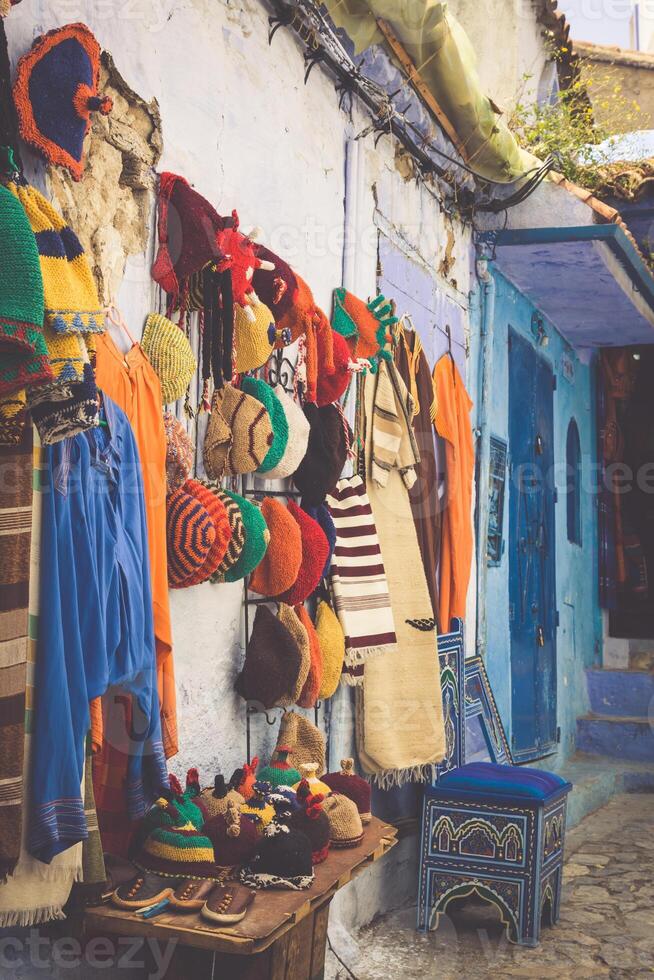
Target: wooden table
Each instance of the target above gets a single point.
(283, 936)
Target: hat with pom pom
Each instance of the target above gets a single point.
(234, 836)
(347, 783)
(279, 772)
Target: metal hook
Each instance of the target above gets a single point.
(311, 60)
(281, 20)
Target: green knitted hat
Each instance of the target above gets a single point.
(264, 393)
(257, 537)
(23, 353)
(280, 772)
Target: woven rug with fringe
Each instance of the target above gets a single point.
(399, 708)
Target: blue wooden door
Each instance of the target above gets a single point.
(532, 591)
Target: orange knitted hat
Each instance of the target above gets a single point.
(301, 313)
(216, 510)
(280, 565)
(311, 688)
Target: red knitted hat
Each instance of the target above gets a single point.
(277, 288)
(330, 386)
(315, 550)
(218, 514)
(190, 535)
(235, 838)
(309, 694)
(279, 568)
(312, 820)
(347, 783)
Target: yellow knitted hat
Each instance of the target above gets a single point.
(170, 354)
(253, 337)
(309, 771)
(332, 646)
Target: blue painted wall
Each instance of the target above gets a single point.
(579, 632)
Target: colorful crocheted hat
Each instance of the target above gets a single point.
(279, 568)
(291, 621)
(365, 326)
(285, 801)
(216, 798)
(169, 352)
(190, 535)
(23, 353)
(55, 92)
(332, 648)
(276, 287)
(298, 437)
(216, 511)
(243, 779)
(237, 537)
(180, 452)
(279, 772)
(331, 384)
(309, 773)
(264, 393)
(13, 416)
(345, 824)
(239, 434)
(256, 541)
(272, 662)
(283, 860)
(306, 741)
(257, 808)
(179, 852)
(309, 694)
(235, 837)
(312, 821)
(347, 783)
(329, 441)
(323, 517)
(315, 549)
(65, 408)
(254, 336)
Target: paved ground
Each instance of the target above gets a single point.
(606, 927)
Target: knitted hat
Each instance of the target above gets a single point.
(254, 336)
(323, 517)
(256, 540)
(309, 773)
(190, 535)
(365, 326)
(345, 826)
(312, 821)
(264, 393)
(13, 417)
(276, 288)
(180, 452)
(309, 693)
(170, 354)
(280, 772)
(283, 860)
(315, 550)
(329, 440)
(272, 662)
(217, 798)
(237, 537)
(330, 385)
(216, 511)
(285, 801)
(243, 779)
(188, 802)
(23, 353)
(306, 741)
(257, 808)
(55, 92)
(298, 437)
(291, 621)
(299, 316)
(234, 837)
(278, 569)
(332, 648)
(347, 783)
(239, 434)
(65, 408)
(180, 852)
(187, 232)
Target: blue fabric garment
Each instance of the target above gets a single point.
(517, 781)
(95, 626)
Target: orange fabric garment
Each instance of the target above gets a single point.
(131, 382)
(452, 423)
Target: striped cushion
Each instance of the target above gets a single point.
(515, 781)
(190, 534)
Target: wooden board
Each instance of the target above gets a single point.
(273, 913)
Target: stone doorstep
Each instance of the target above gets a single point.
(597, 779)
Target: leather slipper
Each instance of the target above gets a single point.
(228, 904)
(191, 894)
(143, 890)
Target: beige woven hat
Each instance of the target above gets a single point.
(238, 436)
(345, 827)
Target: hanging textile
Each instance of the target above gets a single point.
(452, 423)
(393, 442)
(399, 714)
(96, 628)
(425, 505)
(15, 535)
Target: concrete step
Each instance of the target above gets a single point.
(641, 660)
(596, 779)
(616, 737)
(621, 692)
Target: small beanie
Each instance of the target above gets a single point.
(257, 808)
(256, 540)
(306, 741)
(283, 860)
(65, 408)
(279, 568)
(329, 441)
(239, 434)
(298, 318)
(285, 801)
(323, 517)
(244, 779)
(234, 837)
(309, 773)
(298, 437)
(217, 798)
(311, 820)
(291, 621)
(330, 385)
(190, 535)
(347, 783)
(264, 393)
(216, 511)
(179, 852)
(237, 537)
(315, 550)
(332, 648)
(254, 336)
(272, 662)
(180, 453)
(169, 352)
(309, 693)
(345, 825)
(276, 287)
(280, 772)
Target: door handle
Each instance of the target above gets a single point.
(540, 636)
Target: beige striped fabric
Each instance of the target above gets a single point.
(393, 441)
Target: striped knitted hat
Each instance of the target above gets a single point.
(190, 535)
(216, 511)
(257, 808)
(254, 335)
(298, 437)
(237, 528)
(278, 569)
(332, 648)
(180, 852)
(265, 394)
(256, 541)
(238, 436)
(12, 418)
(180, 452)
(290, 619)
(170, 354)
(65, 408)
(309, 694)
(279, 772)
(315, 549)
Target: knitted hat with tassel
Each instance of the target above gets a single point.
(312, 821)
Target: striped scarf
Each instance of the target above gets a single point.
(393, 441)
(358, 580)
